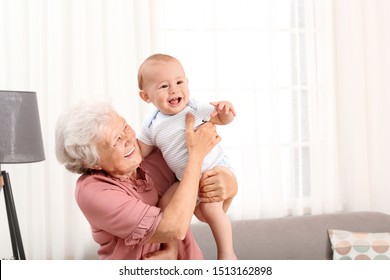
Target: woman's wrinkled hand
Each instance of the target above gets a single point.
(203, 139)
(217, 184)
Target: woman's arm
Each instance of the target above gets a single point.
(177, 215)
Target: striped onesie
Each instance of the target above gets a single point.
(167, 132)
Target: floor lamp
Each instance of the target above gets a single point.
(20, 142)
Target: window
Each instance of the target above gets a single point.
(260, 55)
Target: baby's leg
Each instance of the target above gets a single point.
(221, 227)
(171, 249)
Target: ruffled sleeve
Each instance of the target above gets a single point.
(145, 228)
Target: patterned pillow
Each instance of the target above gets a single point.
(348, 245)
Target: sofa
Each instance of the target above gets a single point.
(294, 238)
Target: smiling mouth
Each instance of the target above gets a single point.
(130, 152)
(175, 101)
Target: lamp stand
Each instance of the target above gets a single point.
(14, 230)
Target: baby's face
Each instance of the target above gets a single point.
(166, 86)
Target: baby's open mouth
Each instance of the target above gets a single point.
(175, 101)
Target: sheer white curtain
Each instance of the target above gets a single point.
(66, 50)
(357, 73)
(353, 121)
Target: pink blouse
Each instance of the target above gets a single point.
(123, 214)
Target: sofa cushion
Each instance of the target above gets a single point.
(349, 245)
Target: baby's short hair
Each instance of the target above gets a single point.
(153, 58)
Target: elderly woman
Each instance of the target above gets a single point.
(119, 192)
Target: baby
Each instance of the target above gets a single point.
(162, 81)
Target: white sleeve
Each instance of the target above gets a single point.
(145, 135)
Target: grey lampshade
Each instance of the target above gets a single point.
(20, 128)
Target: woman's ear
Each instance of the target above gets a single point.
(144, 95)
(97, 167)
(93, 167)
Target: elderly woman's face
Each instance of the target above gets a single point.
(118, 149)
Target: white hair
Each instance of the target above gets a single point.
(77, 133)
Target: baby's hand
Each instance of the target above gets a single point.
(223, 108)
